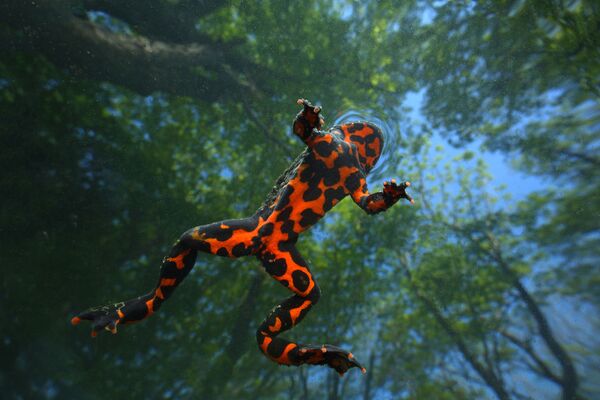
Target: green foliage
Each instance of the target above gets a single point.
(99, 181)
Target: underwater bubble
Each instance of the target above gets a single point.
(392, 139)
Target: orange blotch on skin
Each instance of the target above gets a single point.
(291, 267)
(196, 235)
(150, 306)
(295, 312)
(178, 260)
(265, 344)
(284, 357)
(277, 326)
(239, 236)
(168, 282)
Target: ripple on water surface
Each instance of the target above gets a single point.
(391, 139)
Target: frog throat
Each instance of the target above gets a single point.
(368, 139)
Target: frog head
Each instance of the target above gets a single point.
(368, 139)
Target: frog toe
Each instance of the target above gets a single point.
(102, 318)
(342, 360)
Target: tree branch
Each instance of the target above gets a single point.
(569, 378)
(135, 62)
(159, 20)
(486, 374)
(544, 369)
(237, 344)
(262, 127)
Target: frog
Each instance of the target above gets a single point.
(335, 164)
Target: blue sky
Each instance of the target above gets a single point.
(519, 183)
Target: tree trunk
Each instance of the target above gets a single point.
(569, 374)
(304, 382)
(369, 377)
(223, 366)
(488, 375)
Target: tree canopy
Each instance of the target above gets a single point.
(124, 123)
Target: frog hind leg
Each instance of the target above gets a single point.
(231, 238)
(287, 266)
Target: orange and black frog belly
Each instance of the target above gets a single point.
(316, 187)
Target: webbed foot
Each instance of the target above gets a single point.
(312, 114)
(333, 356)
(395, 190)
(103, 317)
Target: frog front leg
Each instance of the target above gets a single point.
(376, 202)
(308, 122)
